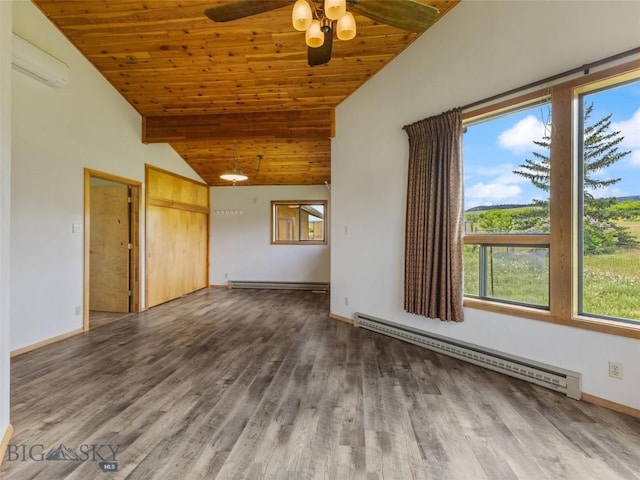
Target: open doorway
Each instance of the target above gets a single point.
(111, 248)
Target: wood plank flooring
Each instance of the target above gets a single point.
(97, 318)
(258, 384)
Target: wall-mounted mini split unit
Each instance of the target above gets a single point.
(36, 63)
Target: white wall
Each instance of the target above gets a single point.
(240, 243)
(5, 210)
(477, 50)
(56, 134)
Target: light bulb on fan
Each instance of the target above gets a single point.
(301, 16)
(315, 36)
(334, 9)
(346, 27)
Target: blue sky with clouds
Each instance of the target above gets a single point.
(493, 149)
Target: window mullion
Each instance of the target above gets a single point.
(562, 205)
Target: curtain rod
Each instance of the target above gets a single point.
(584, 68)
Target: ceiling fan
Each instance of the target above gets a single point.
(320, 21)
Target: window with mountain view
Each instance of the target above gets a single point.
(506, 201)
(609, 202)
(557, 227)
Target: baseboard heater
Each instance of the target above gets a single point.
(548, 376)
(315, 286)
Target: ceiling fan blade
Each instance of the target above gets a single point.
(321, 55)
(243, 8)
(411, 15)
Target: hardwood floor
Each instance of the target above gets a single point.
(97, 318)
(258, 384)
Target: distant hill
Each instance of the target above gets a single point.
(506, 206)
(509, 206)
(628, 198)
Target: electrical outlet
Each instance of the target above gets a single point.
(78, 310)
(226, 275)
(615, 370)
(346, 301)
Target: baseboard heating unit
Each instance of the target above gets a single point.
(548, 376)
(315, 286)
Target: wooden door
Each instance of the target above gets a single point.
(177, 259)
(109, 248)
(177, 236)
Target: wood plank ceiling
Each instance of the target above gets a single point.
(224, 93)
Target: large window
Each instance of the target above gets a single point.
(506, 200)
(609, 202)
(298, 222)
(509, 274)
(552, 204)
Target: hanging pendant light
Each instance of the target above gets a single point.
(301, 16)
(234, 174)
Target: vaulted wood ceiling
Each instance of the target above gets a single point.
(218, 92)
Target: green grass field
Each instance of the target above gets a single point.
(634, 227)
(518, 274)
(611, 282)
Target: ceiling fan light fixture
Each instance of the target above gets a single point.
(234, 175)
(301, 16)
(346, 27)
(314, 36)
(334, 9)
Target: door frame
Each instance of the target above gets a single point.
(134, 232)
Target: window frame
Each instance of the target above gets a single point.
(298, 203)
(563, 208)
(482, 272)
(578, 95)
(484, 240)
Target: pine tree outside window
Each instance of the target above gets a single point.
(609, 216)
(584, 218)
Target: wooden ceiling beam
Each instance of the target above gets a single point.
(309, 124)
(229, 108)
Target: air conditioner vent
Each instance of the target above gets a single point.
(34, 62)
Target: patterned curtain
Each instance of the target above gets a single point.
(433, 245)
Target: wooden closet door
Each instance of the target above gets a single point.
(177, 236)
